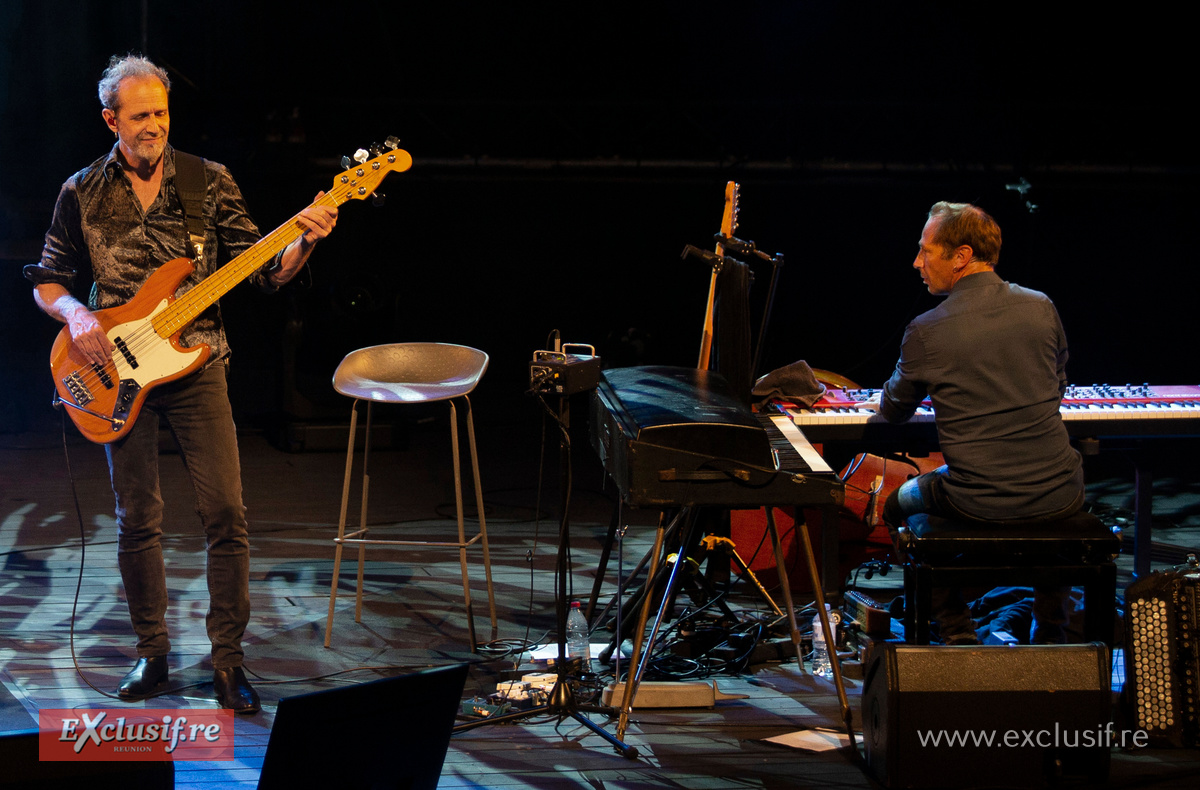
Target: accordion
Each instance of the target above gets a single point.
(1162, 658)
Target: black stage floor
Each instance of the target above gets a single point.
(413, 616)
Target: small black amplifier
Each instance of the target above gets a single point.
(563, 373)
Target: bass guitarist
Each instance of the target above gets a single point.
(115, 222)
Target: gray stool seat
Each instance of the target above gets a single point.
(408, 373)
(1074, 551)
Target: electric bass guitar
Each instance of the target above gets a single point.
(104, 401)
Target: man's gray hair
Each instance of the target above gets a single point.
(122, 67)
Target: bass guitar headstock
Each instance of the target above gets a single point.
(362, 179)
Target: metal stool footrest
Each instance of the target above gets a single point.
(403, 373)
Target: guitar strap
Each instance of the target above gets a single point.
(190, 186)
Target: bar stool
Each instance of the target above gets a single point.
(1077, 551)
(411, 373)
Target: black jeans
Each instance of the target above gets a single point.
(198, 412)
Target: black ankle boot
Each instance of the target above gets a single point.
(233, 691)
(145, 675)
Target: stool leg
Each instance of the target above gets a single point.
(462, 537)
(362, 520)
(923, 601)
(910, 604)
(1099, 604)
(487, 557)
(918, 600)
(337, 554)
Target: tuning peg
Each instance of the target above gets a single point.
(392, 142)
(347, 162)
(361, 156)
(377, 199)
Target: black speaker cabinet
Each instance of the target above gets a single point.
(20, 769)
(938, 716)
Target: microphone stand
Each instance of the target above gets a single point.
(562, 701)
(749, 248)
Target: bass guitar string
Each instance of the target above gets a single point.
(184, 310)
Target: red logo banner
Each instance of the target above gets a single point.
(160, 734)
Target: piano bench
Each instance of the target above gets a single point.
(1075, 551)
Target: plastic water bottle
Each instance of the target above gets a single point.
(821, 665)
(578, 642)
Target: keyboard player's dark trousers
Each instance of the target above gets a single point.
(924, 494)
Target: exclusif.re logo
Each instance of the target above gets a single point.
(165, 734)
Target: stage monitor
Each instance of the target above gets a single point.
(391, 733)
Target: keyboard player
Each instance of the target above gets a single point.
(992, 359)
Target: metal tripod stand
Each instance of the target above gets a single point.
(562, 702)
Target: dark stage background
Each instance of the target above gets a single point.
(565, 154)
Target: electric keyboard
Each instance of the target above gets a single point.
(672, 437)
(1133, 415)
(1095, 411)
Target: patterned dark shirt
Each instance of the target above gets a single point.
(101, 237)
